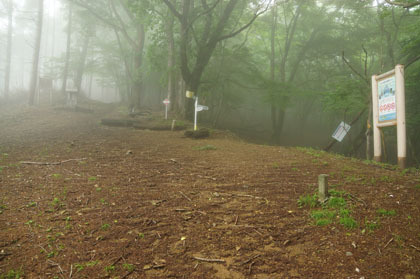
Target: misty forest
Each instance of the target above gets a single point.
(209, 139)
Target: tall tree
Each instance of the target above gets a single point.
(68, 48)
(214, 29)
(9, 7)
(37, 48)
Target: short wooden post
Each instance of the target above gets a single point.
(323, 187)
(173, 125)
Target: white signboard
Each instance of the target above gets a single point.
(341, 131)
(201, 108)
(386, 99)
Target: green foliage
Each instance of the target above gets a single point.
(348, 222)
(109, 268)
(13, 274)
(128, 267)
(372, 225)
(105, 227)
(308, 201)
(323, 214)
(336, 202)
(92, 178)
(384, 212)
(79, 267)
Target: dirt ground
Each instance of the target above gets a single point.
(126, 203)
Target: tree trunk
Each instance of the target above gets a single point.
(137, 96)
(67, 62)
(9, 50)
(369, 133)
(273, 66)
(37, 48)
(82, 62)
(171, 63)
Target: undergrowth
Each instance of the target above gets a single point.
(335, 209)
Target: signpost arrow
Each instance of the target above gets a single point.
(166, 102)
(197, 109)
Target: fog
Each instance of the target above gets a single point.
(274, 72)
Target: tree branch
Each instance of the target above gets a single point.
(353, 69)
(173, 9)
(123, 29)
(404, 5)
(412, 61)
(233, 34)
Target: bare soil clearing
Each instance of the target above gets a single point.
(154, 204)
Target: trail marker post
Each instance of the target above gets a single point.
(388, 101)
(198, 108)
(166, 102)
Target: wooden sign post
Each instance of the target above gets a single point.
(388, 101)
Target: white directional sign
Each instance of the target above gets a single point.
(201, 108)
(341, 131)
(166, 102)
(198, 108)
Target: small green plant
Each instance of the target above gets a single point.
(2, 208)
(79, 267)
(109, 268)
(323, 222)
(417, 186)
(323, 214)
(141, 235)
(98, 189)
(294, 169)
(13, 274)
(128, 267)
(384, 212)
(56, 175)
(323, 217)
(30, 222)
(92, 178)
(105, 227)
(205, 147)
(372, 225)
(31, 204)
(336, 202)
(92, 263)
(275, 165)
(348, 222)
(51, 254)
(308, 200)
(385, 178)
(56, 202)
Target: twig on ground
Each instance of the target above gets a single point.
(128, 273)
(236, 220)
(253, 258)
(415, 248)
(386, 245)
(51, 164)
(250, 268)
(209, 260)
(357, 199)
(57, 265)
(71, 271)
(185, 196)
